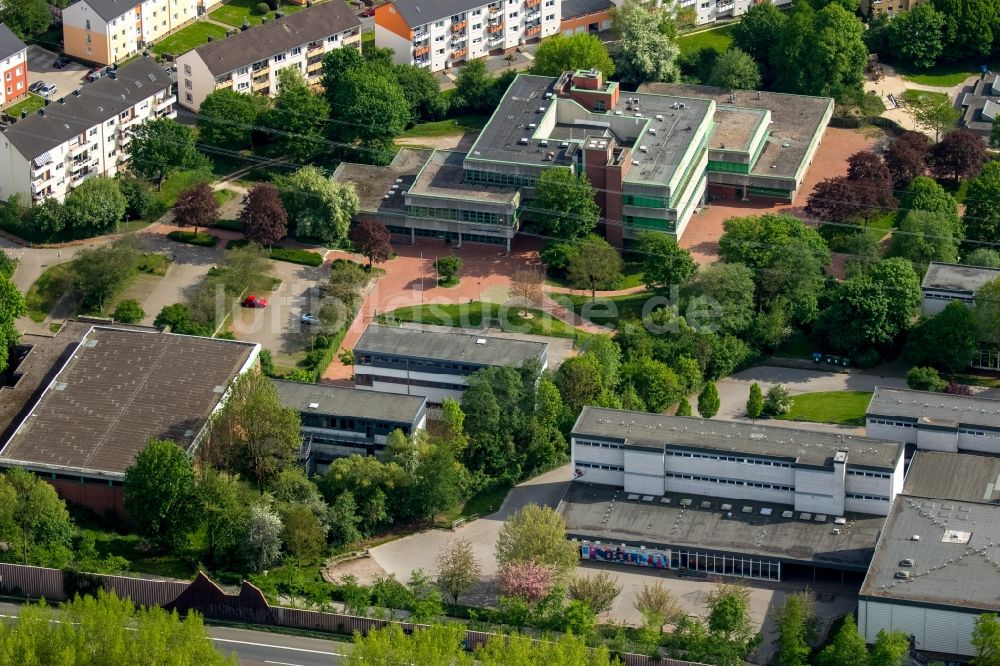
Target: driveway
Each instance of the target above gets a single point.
(40, 68)
(189, 266)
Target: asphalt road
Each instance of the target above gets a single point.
(257, 648)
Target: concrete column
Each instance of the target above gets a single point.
(413, 235)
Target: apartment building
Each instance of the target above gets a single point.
(439, 34)
(249, 61)
(433, 365)
(109, 31)
(13, 67)
(935, 421)
(590, 16)
(815, 472)
(83, 134)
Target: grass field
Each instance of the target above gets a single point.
(720, 39)
(605, 310)
(235, 11)
(911, 95)
(31, 103)
(48, 288)
(839, 407)
(190, 37)
(944, 74)
(631, 276)
(471, 315)
(177, 181)
(458, 125)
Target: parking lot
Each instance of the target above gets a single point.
(40, 68)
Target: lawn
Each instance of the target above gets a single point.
(235, 12)
(31, 103)
(606, 310)
(631, 276)
(911, 95)
(720, 39)
(944, 74)
(48, 288)
(178, 181)
(190, 37)
(458, 125)
(839, 407)
(471, 315)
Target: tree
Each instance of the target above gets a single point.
(656, 384)
(598, 591)
(758, 31)
(735, 70)
(728, 290)
(26, 18)
(564, 205)
(344, 520)
(161, 145)
(536, 534)
(795, 278)
(778, 401)
(657, 605)
(372, 241)
(99, 273)
(138, 196)
(448, 267)
(595, 265)
(38, 523)
(683, 408)
(925, 237)
(986, 640)
(708, 401)
(970, 27)
(988, 312)
(890, 649)
(472, 86)
(558, 54)
(303, 534)
(227, 119)
(755, 403)
(848, 647)
(196, 206)
(458, 570)
(253, 433)
(916, 37)
(525, 580)
(95, 206)
(379, 109)
(934, 113)
(297, 117)
(159, 491)
(422, 91)
(12, 306)
(948, 340)
(925, 379)
(982, 256)
(262, 539)
(793, 622)
(732, 633)
(982, 206)
(907, 157)
(646, 51)
(318, 206)
(665, 263)
(526, 287)
(960, 154)
(759, 240)
(926, 194)
(263, 217)
(995, 134)
(580, 382)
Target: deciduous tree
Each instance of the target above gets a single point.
(960, 154)
(595, 265)
(448, 267)
(934, 113)
(536, 534)
(196, 206)
(525, 580)
(731, 631)
(263, 217)
(379, 111)
(907, 157)
(161, 145)
(793, 622)
(986, 640)
(458, 570)
(564, 205)
(372, 241)
(758, 240)
(916, 37)
(646, 51)
(160, 493)
(227, 119)
(735, 70)
(848, 647)
(26, 18)
(890, 649)
(100, 272)
(657, 605)
(12, 306)
(318, 207)
(948, 340)
(261, 546)
(665, 263)
(598, 591)
(558, 54)
(526, 287)
(982, 205)
(988, 312)
(297, 118)
(95, 206)
(472, 86)
(757, 32)
(728, 291)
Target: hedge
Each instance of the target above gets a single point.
(192, 238)
(289, 254)
(231, 225)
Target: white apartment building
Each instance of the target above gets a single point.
(109, 31)
(82, 134)
(815, 472)
(439, 34)
(249, 61)
(13, 66)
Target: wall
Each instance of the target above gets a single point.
(98, 496)
(75, 34)
(937, 440)
(202, 80)
(933, 629)
(576, 24)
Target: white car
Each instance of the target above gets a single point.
(308, 318)
(46, 89)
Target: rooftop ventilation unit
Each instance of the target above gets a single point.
(541, 109)
(652, 130)
(903, 575)
(313, 405)
(635, 162)
(544, 143)
(659, 116)
(618, 113)
(564, 144)
(480, 341)
(907, 562)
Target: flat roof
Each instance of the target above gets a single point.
(958, 277)
(956, 476)
(735, 127)
(374, 183)
(458, 347)
(96, 102)
(575, 8)
(931, 408)
(603, 513)
(263, 41)
(119, 388)
(350, 402)
(796, 120)
(955, 560)
(443, 176)
(806, 447)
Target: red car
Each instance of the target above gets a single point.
(254, 302)
(368, 12)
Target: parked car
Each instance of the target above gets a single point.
(309, 318)
(46, 89)
(95, 74)
(368, 12)
(35, 86)
(61, 62)
(252, 301)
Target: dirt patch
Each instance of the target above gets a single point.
(365, 569)
(462, 141)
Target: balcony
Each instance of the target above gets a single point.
(532, 30)
(494, 9)
(41, 182)
(314, 65)
(259, 85)
(459, 54)
(165, 103)
(260, 68)
(421, 37)
(459, 39)
(457, 27)
(532, 3)
(314, 49)
(533, 16)
(724, 5)
(421, 51)
(78, 149)
(224, 83)
(494, 29)
(76, 165)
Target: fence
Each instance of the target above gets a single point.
(204, 596)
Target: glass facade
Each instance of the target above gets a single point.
(728, 167)
(476, 216)
(645, 202)
(648, 223)
(497, 178)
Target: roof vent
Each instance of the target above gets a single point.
(541, 109)
(480, 341)
(313, 405)
(642, 149)
(903, 575)
(915, 537)
(532, 126)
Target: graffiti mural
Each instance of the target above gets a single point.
(632, 555)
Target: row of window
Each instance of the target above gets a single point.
(898, 424)
(870, 475)
(694, 167)
(728, 167)
(649, 223)
(603, 445)
(946, 297)
(610, 468)
(369, 380)
(366, 359)
(645, 202)
(738, 459)
(873, 498)
(458, 18)
(730, 482)
(979, 433)
(475, 216)
(498, 178)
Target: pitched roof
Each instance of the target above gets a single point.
(95, 103)
(419, 12)
(111, 9)
(259, 43)
(9, 43)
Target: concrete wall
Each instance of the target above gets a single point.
(933, 630)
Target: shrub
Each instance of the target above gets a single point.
(261, 8)
(778, 402)
(191, 238)
(231, 225)
(954, 388)
(925, 379)
(296, 256)
(128, 312)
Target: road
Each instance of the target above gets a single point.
(256, 648)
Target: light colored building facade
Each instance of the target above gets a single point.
(439, 34)
(586, 16)
(249, 61)
(83, 134)
(13, 67)
(109, 31)
(944, 283)
(653, 454)
(935, 421)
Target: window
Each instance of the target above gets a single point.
(88, 24)
(242, 70)
(93, 131)
(439, 38)
(18, 71)
(187, 96)
(439, 52)
(241, 86)
(612, 468)
(20, 84)
(477, 26)
(477, 12)
(297, 50)
(550, 17)
(278, 58)
(187, 69)
(88, 41)
(512, 15)
(187, 84)
(439, 24)
(550, 3)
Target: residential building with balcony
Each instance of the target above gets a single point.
(13, 67)
(439, 34)
(83, 134)
(110, 31)
(249, 61)
(590, 16)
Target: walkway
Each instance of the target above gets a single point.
(895, 85)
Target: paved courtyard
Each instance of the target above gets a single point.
(40, 68)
